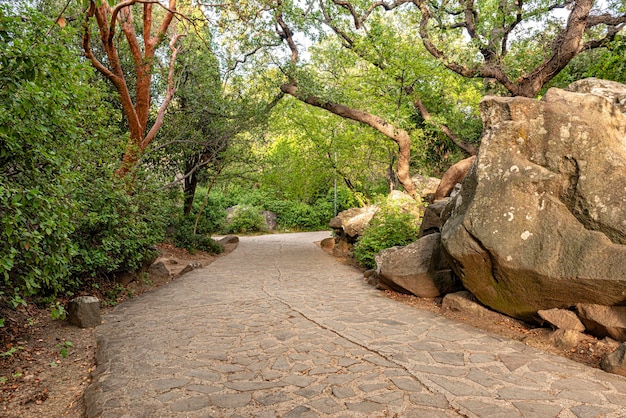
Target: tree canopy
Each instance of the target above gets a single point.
(267, 102)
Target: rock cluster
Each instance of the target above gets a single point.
(536, 230)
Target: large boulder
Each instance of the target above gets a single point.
(417, 268)
(540, 221)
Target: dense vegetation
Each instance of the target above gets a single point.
(98, 164)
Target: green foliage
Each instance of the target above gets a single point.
(57, 311)
(389, 227)
(245, 219)
(63, 347)
(184, 237)
(61, 216)
(117, 231)
(214, 214)
(301, 216)
(43, 110)
(11, 351)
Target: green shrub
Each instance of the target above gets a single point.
(213, 215)
(184, 237)
(245, 219)
(116, 230)
(300, 216)
(390, 227)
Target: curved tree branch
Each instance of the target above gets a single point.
(398, 135)
(468, 147)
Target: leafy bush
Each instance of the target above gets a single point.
(213, 215)
(390, 227)
(245, 219)
(299, 215)
(185, 238)
(116, 230)
(47, 110)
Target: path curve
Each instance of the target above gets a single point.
(279, 328)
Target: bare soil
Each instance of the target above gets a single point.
(46, 364)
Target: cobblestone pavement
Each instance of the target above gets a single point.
(279, 328)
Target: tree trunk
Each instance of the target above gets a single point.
(191, 183)
(398, 135)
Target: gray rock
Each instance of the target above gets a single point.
(464, 301)
(190, 267)
(84, 312)
(159, 268)
(612, 91)
(562, 319)
(371, 277)
(229, 239)
(603, 321)
(328, 245)
(353, 221)
(432, 222)
(539, 223)
(426, 186)
(566, 338)
(615, 362)
(271, 220)
(417, 268)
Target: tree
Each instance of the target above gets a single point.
(482, 39)
(303, 79)
(143, 48)
(207, 115)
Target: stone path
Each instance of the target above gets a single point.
(279, 329)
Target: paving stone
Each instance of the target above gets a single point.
(482, 378)
(299, 380)
(589, 411)
(514, 361)
(168, 384)
(361, 367)
(233, 377)
(251, 386)
(409, 385)
(301, 412)
(327, 406)
(281, 363)
(372, 387)
(435, 400)
(538, 410)
(204, 388)
(323, 370)
(342, 392)
(387, 398)
(339, 378)
(311, 391)
(520, 393)
(490, 410)
(279, 328)
(582, 396)
(189, 404)
(454, 359)
(273, 398)
(416, 412)
(230, 400)
(365, 407)
(459, 387)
